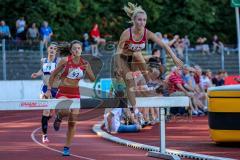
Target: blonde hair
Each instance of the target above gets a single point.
(132, 10)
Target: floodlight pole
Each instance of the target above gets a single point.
(238, 36)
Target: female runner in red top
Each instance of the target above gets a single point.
(132, 42)
(73, 68)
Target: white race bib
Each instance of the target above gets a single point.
(75, 73)
(136, 47)
(48, 67)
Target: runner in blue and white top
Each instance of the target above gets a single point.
(47, 66)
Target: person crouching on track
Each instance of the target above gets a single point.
(48, 65)
(73, 67)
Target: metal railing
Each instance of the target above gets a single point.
(12, 52)
(21, 58)
(224, 56)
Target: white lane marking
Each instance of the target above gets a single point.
(52, 149)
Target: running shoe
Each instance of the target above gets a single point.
(57, 123)
(66, 151)
(200, 113)
(45, 139)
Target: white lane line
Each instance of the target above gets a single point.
(52, 149)
(97, 128)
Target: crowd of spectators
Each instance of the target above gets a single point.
(180, 44)
(26, 32)
(32, 33)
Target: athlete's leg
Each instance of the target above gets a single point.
(45, 118)
(60, 114)
(44, 121)
(129, 81)
(141, 63)
(72, 121)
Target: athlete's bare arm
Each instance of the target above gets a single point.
(155, 39)
(89, 72)
(37, 74)
(175, 38)
(124, 37)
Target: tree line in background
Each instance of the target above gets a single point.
(70, 19)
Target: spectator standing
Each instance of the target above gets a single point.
(4, 31)
(186, 41)
(179, 45)
(86, 44)
(165, 38)
(217, 45)
(46, 33)
(20, 26)
(96, 39)
(32, 34)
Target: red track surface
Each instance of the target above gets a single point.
(16, 142)
(187, 135)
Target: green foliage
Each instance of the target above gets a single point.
(70, 19)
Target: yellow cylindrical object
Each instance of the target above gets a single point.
(224, 113)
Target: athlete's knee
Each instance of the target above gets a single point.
(71, 124)
(138, 57)
(129, 76)
(137, 54)
(46, 112)
(73, 117)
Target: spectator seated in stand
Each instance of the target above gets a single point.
(218, 79)
(177, 87)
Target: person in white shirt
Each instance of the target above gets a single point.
(114, 124)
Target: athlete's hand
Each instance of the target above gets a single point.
(118, 71)
(176, 37)
(34, 75)
(48, 94)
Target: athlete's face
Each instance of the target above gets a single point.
(140, 20)
(76, 49)
(52, 50)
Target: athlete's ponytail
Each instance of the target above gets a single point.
(64, 49)
(132, 10)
